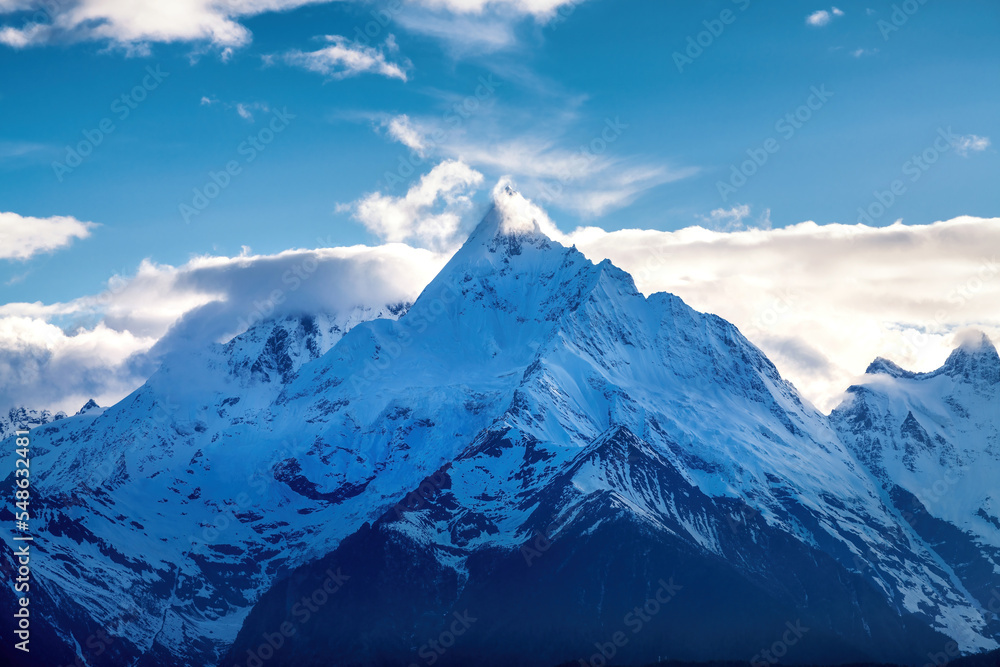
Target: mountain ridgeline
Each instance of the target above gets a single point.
(532, 464)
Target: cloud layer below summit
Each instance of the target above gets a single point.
(821, 300)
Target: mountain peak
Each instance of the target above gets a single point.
(512, 216)
(90, 405)
(974, 359)
(883, 366)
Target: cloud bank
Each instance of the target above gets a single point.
(821, 300)
(824, 300)
(103, 346)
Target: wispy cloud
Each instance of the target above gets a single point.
(971, 143)
(540, 9)
(591, 180)
(244, 110)
(14, 150)
(343, 58)
(22, 237)
(403, 130)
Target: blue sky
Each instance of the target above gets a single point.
(606, 113)
(560, 79)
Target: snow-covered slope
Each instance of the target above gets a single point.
(592, 359)
(151, 508)
(932, 440)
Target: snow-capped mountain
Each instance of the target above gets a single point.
(25, 418)
(532, 444)
(145, 504)
(932, 440)
(642, 439)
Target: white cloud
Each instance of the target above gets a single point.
(23, 236)
(246, 109)
(342, 59)
(824, 301)
(103, 346)
(463, 34)
(591, 180)
(430, 212)
(819, 18)
(540, 9)
(857, 53)
(588, 182)
(478, 27)
(134, 25)
(822, 17)
(402, 130)
(971, 143)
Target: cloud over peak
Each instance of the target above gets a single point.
(430, 213)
